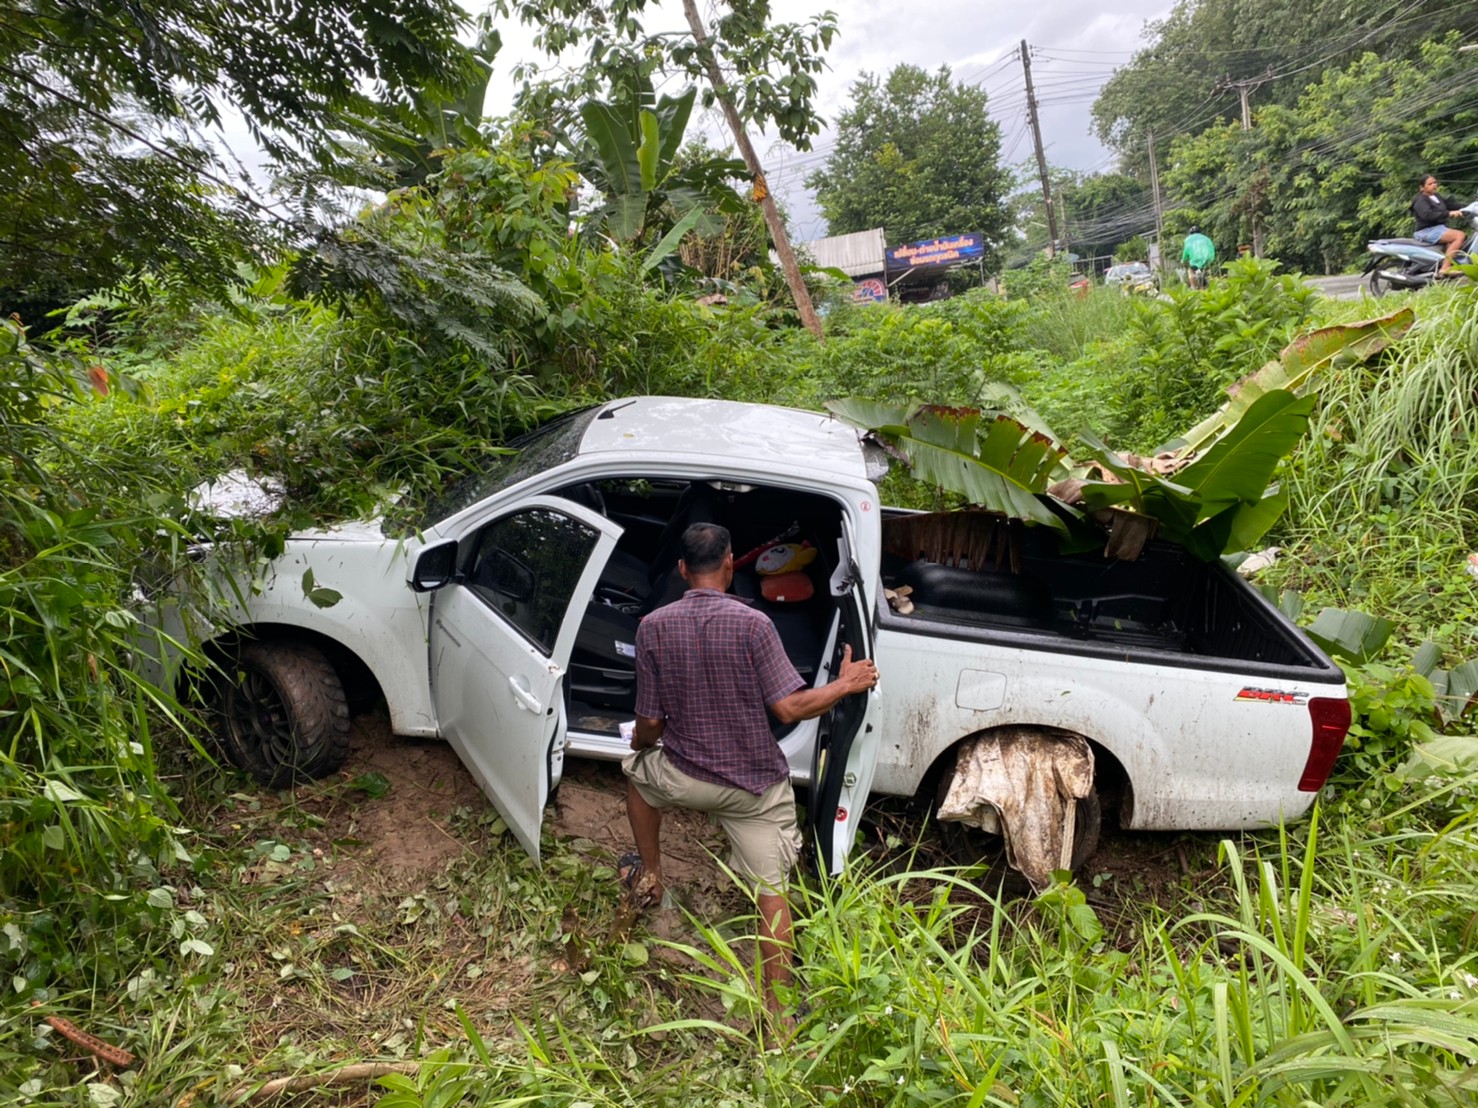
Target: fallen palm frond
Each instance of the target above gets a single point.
(1211, 491)
(995, 462)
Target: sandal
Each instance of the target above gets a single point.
(640, 891)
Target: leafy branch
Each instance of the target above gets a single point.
(1212, 493)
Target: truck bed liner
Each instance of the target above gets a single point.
(1165, 606)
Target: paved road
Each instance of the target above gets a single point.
(1338, 288)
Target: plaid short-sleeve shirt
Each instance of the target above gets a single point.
(709, 665)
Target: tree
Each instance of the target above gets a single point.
(772, 66)
(103, 164)
(1216, 182)
(1105, 209)
(756, 71)
(1172, 86)
(917, 155)
(1337, 167)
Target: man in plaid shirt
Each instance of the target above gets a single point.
(708, 667)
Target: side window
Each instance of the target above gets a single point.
(526, 566)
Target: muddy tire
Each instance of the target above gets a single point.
(1087, 828)
(281, 713)
(968, 845)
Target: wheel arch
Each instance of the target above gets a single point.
(361, 685)
(1110, 777)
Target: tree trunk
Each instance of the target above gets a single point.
(798, 290)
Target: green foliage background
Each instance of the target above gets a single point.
(369, 366)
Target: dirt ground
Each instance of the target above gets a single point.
(405, 834)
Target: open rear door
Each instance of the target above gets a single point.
(509, 598)
(845, 754)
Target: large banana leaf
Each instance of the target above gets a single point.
(672, 115)
(998, 463)
(626, 196)
(1222, 500)
(629, 152)
(649, 153)
(1350, 634)
(1303, 359)
(1238, 468)
(670, 241)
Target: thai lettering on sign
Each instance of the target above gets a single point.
(946, 251)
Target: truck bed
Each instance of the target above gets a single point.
(1165, 605)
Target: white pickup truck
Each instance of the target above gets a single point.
(506, 625)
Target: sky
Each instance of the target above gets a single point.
(1075, 46)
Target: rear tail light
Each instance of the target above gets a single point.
(1331, 719)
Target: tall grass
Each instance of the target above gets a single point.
(1384, 493)
(1341, 971)
(1404, 431)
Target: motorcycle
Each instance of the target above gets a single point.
(1408, 264)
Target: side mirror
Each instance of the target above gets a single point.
(435, 566)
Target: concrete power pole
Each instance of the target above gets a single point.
(1159, 209)
(1244, 90)
(776, 225)
(1036, 126)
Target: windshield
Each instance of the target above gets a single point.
(543, 448)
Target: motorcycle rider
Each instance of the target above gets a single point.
(1432, 211)
(1198, 254)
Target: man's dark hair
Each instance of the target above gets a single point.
(704, 547)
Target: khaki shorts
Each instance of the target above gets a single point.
(762, 829)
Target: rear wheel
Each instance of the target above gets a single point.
(966, 845)
(1087, 828)
(283, 715)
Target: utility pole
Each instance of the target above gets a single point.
(1244, 90)
(778, 235)
(1066, 244)
(1159, 209)
(1036, 126)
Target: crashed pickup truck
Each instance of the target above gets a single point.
(1164, 687)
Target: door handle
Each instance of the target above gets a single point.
(524, 695)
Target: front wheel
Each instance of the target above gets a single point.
(1378, 284)
(283, 716)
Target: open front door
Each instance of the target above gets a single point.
(845, 754)
(503, 625)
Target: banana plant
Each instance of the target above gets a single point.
(992, 460)
(1212, 492)
(630, 153)
(1211, 489)
(1304, 360)
(1221, 501)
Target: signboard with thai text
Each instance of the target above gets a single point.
(936, 253)
(870, 291)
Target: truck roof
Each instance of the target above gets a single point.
(726, 431)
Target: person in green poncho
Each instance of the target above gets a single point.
(1198, 254)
